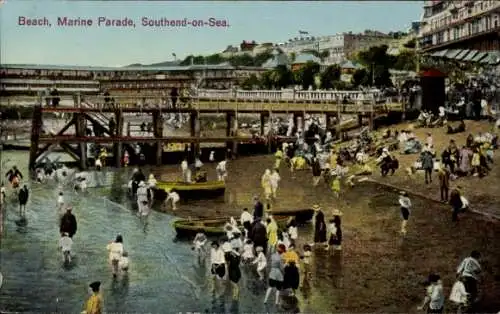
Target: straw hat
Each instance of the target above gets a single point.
(316, 207)
(337, 212)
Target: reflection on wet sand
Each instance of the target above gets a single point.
(367, 275)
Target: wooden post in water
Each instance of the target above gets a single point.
(158, 133)
(263, 116)
(232, 130)
(36, 127)
(80, 127)
(118, 146)
(194, 123)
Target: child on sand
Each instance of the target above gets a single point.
(261, 262)
(65, 244)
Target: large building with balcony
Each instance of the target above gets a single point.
(473, 25)
(340, 47)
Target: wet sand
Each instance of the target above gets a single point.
(377, 271)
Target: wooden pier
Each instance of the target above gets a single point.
(94, 110)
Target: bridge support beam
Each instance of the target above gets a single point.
(263, 117)
(36, 127)
(195, 131)
(298, 120)
(158, 133)
(118, 147)
(80, 127)
(232, 130)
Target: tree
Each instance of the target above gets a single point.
(406, 61)
(379, 62)
(250, 82)
(360, 77)
(306, 74)
(330, 75)
(283, 76)
(293, 56)
(266, 80)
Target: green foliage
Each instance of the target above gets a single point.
(378, 62)
(360, 77)
(250, 82)
(329, 76)
(406, 61)
(305, 75)
(236, 60)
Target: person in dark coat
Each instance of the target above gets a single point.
(319, 226)
(259, 235)
(137, 177)
(23, 199)
(427, 165)
(336, 231)
(13, 173)
(68, 223)
(316, 170)
(234, 273)
(456, 204)
(258, 208)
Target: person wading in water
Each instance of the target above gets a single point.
(94, 303)
(23, 199)
(68, 223)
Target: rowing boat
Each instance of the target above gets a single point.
(195, 190)
(301, 215)
(188, 228)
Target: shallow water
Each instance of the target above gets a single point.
(164, 277)
(377, 271)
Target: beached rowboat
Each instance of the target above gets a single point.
(301, 215)
(201, 190)
(188, 228)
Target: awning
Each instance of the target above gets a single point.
(452, 53)
(480, 56)
(492, 58)
(440, 53)
(470, 56)
(462, 54)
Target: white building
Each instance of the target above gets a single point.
(460, 25)
(340, 46)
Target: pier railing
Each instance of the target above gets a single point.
(242, 100)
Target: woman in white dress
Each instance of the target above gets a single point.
(115, 250)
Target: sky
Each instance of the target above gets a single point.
(101, 45)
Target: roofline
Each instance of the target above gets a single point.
(125, 69)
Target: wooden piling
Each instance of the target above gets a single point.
(36, 127)
(194, 123)
(118, 146)
(232, 130)
(80, 126)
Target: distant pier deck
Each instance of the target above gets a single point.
(97, 112)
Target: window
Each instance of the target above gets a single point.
(440, 38)
(495, 21)
(488, 22)
(456, 33)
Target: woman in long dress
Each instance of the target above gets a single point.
(291, 271)
(272, 233)
(276, 274)
(115, 250)
(266, 184)
(319, 226)
(335, 231)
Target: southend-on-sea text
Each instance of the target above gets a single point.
(125, 22)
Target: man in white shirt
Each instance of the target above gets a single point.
(434, 298)
(405, 206)
(275, 179)
(65, 244)
(174, 198)
(184, 169)
(221, 170)
(142, 198)
(470, 270)
(246, 220)
(429, 141)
